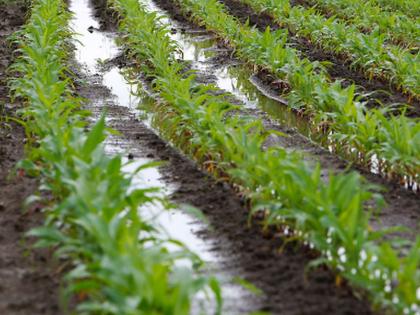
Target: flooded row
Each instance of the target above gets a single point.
(181, 222)
(200, 47)
(125, 103)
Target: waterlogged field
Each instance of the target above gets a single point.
(210, 157)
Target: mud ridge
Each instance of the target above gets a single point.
(251, 254)
(339, 70)
(29, 283)
(402, 205)
(255, 254)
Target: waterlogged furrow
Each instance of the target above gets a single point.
(372, 18)
(328, 216)
(369, 52)
(358, 132)
(121, 263)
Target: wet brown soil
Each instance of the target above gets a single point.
(340, 68)
(28, 285)
(403, 206)
(108, 20)
(251, 254)
(254, 254)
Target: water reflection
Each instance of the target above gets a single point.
(91, 46)
(125, 93)
(240, 81)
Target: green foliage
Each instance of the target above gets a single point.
(328, 214)
(337, 109)
(408, 7)
(403, 27)
(121, 262)
(370, 52)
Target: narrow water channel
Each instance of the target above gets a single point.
(88, 54)
(198, 47)
(93, 47)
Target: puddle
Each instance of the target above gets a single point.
(124, 92)
(235, 79)
(243, 88)
(186, 226)
(92, 48)
(91, 45)
(241, 82)
(88, 54)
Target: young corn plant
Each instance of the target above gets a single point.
(368, 52)
(310, 85)
(409, 7)
(328, 214)
(121, 262)
(369, 17)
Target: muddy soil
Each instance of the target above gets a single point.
(252, 255)
(339, 70)
(28, 283)
(402, 205)
(106, 16)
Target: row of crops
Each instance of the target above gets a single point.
(360, 132)
(92, 215)
(372, 53)
(330, 217)
(121, 263)
(397, 20)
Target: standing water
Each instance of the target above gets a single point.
(197, 46)
(94, 47)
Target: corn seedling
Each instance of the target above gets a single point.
(311, 88)
(121, 263)
(329, 216)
